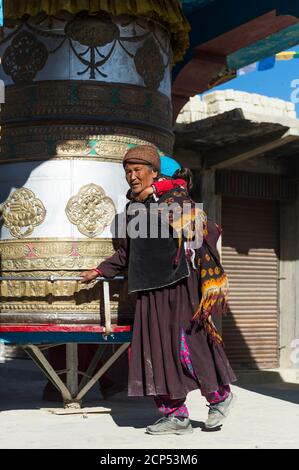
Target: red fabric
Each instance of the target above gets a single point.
(61, 328)
(98, 271)
(165, 185)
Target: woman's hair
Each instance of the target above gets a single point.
(185, 174)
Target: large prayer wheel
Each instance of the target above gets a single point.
(82, 86)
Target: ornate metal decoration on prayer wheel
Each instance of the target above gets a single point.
(81, 88)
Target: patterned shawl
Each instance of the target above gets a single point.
(213, 281)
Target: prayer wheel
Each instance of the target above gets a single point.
(82, 86)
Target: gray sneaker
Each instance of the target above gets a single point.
(219, 411)
(170, 425)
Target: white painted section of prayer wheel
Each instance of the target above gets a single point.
(65, 59)
(54, 183)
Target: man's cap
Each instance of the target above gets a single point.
(145, 154)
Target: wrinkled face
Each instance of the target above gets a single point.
(139, 176)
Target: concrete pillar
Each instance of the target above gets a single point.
(289, 283)
(211, 201)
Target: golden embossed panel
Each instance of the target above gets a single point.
(99, 143)
(91, 210)
(50, 254)
(60, 301)
(21, 212)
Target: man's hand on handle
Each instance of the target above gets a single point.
(88, 276)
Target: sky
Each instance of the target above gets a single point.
(275, 82)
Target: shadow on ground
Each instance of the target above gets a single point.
(268, 383)
(284, 391)
(22, 385)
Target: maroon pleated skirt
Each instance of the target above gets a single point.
(155, 365)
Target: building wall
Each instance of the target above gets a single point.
(220, 101)
(204, 191)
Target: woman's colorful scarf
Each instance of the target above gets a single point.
(213, 281)
(214, 291)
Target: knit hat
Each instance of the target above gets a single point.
(169, 166)
(145, 154)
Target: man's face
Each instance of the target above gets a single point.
(139, 176)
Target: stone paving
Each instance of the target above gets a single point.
(265, 416)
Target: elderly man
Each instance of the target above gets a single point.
(175, 345)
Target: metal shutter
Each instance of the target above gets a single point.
(250, 247)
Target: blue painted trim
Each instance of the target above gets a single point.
(270, 46)
(53, 338)
(220, 16)
(1, 12)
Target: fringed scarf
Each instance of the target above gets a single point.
(213, 281)
(214, 291)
